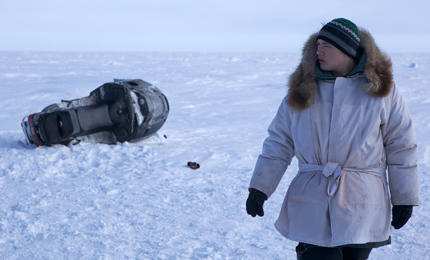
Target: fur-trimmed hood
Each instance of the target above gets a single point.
(302, 83)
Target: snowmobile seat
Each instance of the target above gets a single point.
(93, 118)
(61, 125)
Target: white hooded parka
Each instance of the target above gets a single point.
(346, 133)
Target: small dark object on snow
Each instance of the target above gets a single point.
(193, 165)
(119, 111)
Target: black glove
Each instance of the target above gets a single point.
(401, 215)
(254, 203)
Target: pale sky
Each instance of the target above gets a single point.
(203, 25)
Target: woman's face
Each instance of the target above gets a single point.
(332, 59)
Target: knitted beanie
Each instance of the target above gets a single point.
(343, 34)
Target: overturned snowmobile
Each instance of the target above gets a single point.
(119, 111)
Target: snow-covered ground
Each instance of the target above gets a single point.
(140, 200)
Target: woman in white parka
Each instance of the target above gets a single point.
(347, 124)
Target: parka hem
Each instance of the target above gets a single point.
(372, 243)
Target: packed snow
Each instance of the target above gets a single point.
(140, 200)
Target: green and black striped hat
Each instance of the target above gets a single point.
(343, 34)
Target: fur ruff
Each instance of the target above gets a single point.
(302, 84)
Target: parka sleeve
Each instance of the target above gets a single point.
(278, 151)
(401, 152)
